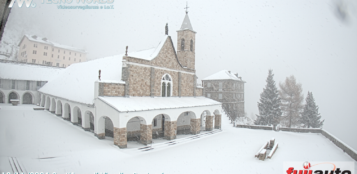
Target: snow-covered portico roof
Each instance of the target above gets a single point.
(133, 104)
(24, 71)
(76, 83)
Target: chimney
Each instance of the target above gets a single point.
(229, 72)
(236, 74)
(44, 39)
(34, 36)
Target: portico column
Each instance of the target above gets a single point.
(170, 130)
(217, 122)
(209, 123)
(86, 121)
(120, 138)
(195, 126)
(145, 134)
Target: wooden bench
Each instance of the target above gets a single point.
(273, 151)
(14, 102)
(263, 147)
(262, 154)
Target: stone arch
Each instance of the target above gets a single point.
(53, 105)
(159, 126)
(105, 127)
(188, 123)
(2, 97)
(217, 119)
(13, 95)
(133, 127)
(48, 102)
(67, 112)
(27, 98)
(59, 109)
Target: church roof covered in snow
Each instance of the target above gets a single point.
(24, 71)
(132, 104)
(149, 54)
(186, 24)
(76, 83)
(223, 75)
(46, 41)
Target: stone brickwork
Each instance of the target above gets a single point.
(139, 80)
(199, 91)
(186, 84)
(186, 56)
(100, 136)
(120, 137)
(145, 134)
(209, 123)
(232, 92)
(217, 121)
(195, 126)
(170, 130)
(166, 58)
(111, 89)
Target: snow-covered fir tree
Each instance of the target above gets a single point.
(310, 116)
(269, 105)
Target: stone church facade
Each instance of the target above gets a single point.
(156, 95)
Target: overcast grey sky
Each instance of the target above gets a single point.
(305, 38)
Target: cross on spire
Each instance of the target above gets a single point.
(186, 7)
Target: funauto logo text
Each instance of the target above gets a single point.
(319, 167)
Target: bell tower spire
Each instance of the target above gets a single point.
(186, 42)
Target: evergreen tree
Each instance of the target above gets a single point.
(310, 116)
(269, 105)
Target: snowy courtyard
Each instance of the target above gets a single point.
(39, 141)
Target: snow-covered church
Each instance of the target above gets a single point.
(137, 96)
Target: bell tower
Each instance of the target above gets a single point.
(186, 43)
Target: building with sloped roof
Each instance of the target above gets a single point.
(22, 81)
(40, 50)
(227, 88)
(138, 95)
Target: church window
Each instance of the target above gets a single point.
(166, 87)
(191, 45)
(182, 44)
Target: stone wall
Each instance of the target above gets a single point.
(195, 126)
(111, 89)
(186, 84)
(120, 137)
(170, 130)
(199, 91)
(209, 123)
(145, 134)
(352, 153)
(186, 56)
(166, 58)
(255, 127)
(139, 80)
(217, 122)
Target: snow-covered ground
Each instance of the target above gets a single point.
(42, 142)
